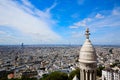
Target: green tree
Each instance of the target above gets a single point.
(24, 78)
(56, 76)
(99, 71)
(44, 76)
(27, 78)
(73, 73)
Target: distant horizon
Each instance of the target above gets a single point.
(58, 44)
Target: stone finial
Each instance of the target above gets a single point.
(87, 33)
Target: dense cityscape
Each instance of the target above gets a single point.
(35, 61)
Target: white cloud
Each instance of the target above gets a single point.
(6, 38)
(77, 34)
(108, 21)
(35, 24)
(82, 23)
(116, 11)
(27, 4)
(99, 15)
(50, 8)
(2, 32)
(108, 38)
(98, 20)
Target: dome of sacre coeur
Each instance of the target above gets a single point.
(87, 52)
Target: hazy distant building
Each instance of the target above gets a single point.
(109, 74)
(87, 60)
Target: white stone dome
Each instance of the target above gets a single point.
(87, 52)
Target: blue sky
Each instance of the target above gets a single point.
(59, 21)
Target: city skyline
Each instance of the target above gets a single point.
(59, 21)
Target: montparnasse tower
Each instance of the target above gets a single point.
(87, 60)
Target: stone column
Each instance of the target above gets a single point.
(86, 75)
(91, 75)
(83, 74)
(94, 75)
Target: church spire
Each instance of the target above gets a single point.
(87, 33)
(87, 59)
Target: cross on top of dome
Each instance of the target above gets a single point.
(87, 33)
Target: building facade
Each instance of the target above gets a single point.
(109, 74)
(87, 60)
